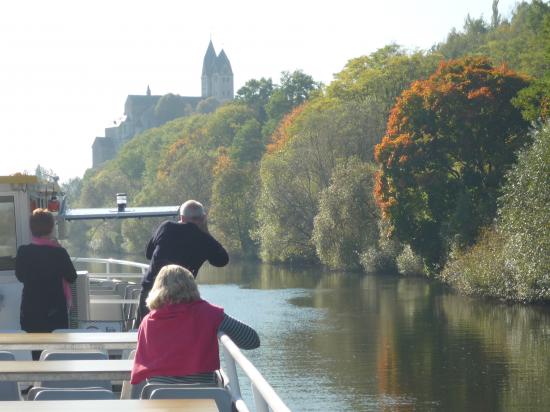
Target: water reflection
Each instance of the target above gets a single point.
(385, 343)
(346, 342)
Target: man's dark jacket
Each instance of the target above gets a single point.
(182, 244)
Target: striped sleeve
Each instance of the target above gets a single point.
(243, 335)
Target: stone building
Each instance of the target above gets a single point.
(142, 112)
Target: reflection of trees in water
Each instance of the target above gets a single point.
(385, 344)
(521, 334)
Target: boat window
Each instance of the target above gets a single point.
(8, 235)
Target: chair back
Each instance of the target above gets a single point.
(221, 396)
(73, 355)
(51, 394)
(150, 387)
(9, 391)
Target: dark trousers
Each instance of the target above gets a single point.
(142, 308)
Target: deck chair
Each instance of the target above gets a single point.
(221, 396)
(68, 355)
(9, 391)
(58, 394)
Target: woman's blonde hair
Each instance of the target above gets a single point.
(174, 284)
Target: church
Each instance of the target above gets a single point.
(143, 112)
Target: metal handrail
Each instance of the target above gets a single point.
(264, 395)
(109, 261)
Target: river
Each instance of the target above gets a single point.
(349, 342)
(333, 341)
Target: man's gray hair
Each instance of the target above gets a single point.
(192, 208)
(173, 284)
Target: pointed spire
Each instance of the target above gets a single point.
(148, 91)
(223, 66)
(209, 59)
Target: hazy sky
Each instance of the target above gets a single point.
(67, 66)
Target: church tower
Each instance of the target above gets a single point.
(217, 75)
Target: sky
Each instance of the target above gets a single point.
(67, 66)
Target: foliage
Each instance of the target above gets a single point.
(511, 261)
(381, 258)
(170, 107)
(409, 263)
(294, 89)
(255, 94)
(224, 123)
(234, 194)
(381, 76)
(525, 218)
(449, 141)
(208, 105)
(535, 99)
(248, 144)
(347, 220)
(481, 269)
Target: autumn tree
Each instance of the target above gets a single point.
(449, 141)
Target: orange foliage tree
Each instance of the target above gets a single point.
(448, 143)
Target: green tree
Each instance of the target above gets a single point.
(255, 94)
(169, 107)
(224, 124)
(450, 139)
(347, 222)
(248, 144)
(234, 194)
(294, 89)
(525, 219)
(381, 76)
(208, 105)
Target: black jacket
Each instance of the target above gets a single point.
(41, 270)
(182, 244)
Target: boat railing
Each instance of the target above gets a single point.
(265, 397)
(109, 263)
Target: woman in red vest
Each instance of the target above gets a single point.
(177, 340)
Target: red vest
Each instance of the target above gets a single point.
(178, 340)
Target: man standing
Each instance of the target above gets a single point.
(186, 243)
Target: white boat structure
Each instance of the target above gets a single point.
(103, 299)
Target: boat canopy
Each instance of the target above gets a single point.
(113, 213)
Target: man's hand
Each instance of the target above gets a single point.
(203, 224)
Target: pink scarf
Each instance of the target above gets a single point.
(42, 241)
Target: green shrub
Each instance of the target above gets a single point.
(409, 263)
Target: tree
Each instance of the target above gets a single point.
(347, 222)
(449, 141)
(224, 124)
(255, 94)
(380, 77)
(525, 219)
(169, 107)
(234, 194)
(248, 144)
(208, 105)
(295, 89)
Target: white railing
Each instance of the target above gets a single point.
(265, 398)
(110, 261)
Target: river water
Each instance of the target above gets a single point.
(349, 342)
